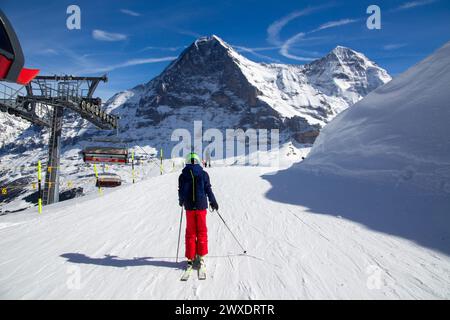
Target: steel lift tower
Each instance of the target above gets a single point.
(43, 102)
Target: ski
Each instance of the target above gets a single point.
(202, 273)
(186, 273)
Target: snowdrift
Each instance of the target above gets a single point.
(400, 132)
(384, 162)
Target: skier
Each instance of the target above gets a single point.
(194, 188)
(208, 158)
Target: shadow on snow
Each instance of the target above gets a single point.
(399, 211)
(114, 261)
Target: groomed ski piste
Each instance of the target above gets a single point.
(122, 244)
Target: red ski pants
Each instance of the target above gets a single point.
(196, 233)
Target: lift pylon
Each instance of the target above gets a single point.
(42, 102)
(43, 99)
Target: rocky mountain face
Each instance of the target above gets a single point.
(353, 75)
(211, 82)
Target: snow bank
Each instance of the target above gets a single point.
(399, 132)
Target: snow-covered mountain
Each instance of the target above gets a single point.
(400, 131)
(210, 82)
(10, 127)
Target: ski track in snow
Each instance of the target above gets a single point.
(123, 245)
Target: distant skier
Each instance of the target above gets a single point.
(208, 158)
(194, 188)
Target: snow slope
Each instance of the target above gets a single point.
(400, 132)
(123, 245)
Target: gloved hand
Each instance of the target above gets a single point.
(214, 206)
(180, 202)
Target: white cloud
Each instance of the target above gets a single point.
(255, 52)
(130, 12)
(333, 24)
(273, 31)
(108, 36)
(394, 46)
(192, 34)
(160, 48)
(286, 46)
(259, 48)
(48, 52)
(129, 63)
(284, 51)
(413, 4)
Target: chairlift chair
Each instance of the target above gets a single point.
(105, 155)
(108, 180)
(11, 56)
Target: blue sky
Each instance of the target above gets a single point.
(133, 41)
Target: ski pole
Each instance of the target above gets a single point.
(179, 233)
(245, 251)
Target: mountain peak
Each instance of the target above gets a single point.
(210, 38)
(347, 65)
(342, 48)
(344, 52)
(205, 55)
(211, 42)
(345, 56)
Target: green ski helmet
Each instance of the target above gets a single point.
(193, 158)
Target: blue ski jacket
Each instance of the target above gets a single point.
(193, 188)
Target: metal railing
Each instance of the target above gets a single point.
(8, 94)
(9, 102)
